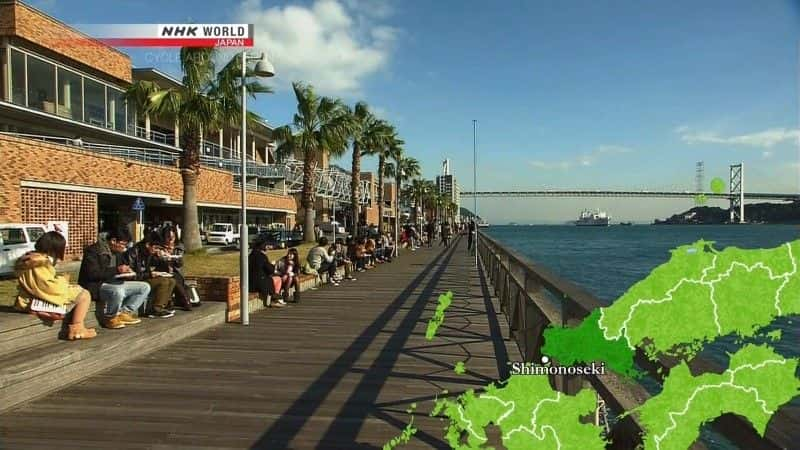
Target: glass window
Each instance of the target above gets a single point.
(18, 77)
(69, 95)
(41, 85)
(12, 236)
(34, 233)
(116, 110)
(94, 102)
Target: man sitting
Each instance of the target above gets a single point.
(142, 258)
(321, 261)
(103, 274)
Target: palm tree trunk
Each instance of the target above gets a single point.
(354, 185)
(381, 163)
(190, 171)
(307, 198)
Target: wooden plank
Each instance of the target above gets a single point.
(337, 370)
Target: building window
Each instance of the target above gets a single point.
(41, 85)
(116, 110)
(94, 102)
(17, 77)
(70, 104)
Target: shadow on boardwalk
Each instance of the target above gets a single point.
(337, 371)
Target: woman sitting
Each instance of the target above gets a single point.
(170, 260)
(262, 275)
(288, 269)
(37, 280)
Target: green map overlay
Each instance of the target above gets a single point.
(585, 343)
(757, 382)
(438, 317)
(529, 414)
(697, 296)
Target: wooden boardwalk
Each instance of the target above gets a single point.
(337, 371)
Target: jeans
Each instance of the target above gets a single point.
(128, 296)
(329, 267)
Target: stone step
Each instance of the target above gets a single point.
(20, 331)
(30, 371)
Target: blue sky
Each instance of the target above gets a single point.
(574, 94)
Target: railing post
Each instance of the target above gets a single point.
(570, 317)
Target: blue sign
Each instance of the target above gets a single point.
(138, 204)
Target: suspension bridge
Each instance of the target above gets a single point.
(736, 194)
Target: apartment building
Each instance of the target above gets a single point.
(73, 150)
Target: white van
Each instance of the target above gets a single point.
(16, 239)
(222, 233)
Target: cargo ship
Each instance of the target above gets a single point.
(593, 219)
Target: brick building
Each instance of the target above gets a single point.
(73, 150)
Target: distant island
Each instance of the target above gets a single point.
(772, 213)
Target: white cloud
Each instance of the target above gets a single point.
(551, 165)
(334, 45)
(582, 160)
(762, 139)
(766, 154)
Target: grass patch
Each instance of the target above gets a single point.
(227, 263)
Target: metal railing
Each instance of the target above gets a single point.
(140, 154)
(256, 188)
(155, 136)
(332, 182)
(532, 297)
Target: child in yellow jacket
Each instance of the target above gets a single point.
(37, 279)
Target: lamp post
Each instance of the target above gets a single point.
(263, 68)
(475, 183)
(398, 182)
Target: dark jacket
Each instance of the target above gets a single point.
(99, 265)
(140, 261)
(260, 273)
(171, 265)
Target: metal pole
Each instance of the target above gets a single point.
(243, 238)
(334, 219)
(475, 183)
(397, 212)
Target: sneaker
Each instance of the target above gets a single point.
(335, 283)
(113, 323)
(277, 305)
(128, 319)
(160, 314)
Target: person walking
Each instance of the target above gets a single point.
(471, 235)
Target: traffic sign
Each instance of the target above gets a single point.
(138, 204)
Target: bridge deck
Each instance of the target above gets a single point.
(337, 371)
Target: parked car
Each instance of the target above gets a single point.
(16, 239)
(281, 238)
(222, 233)
(253, 232)
(328, 227)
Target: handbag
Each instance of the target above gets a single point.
(46, 310)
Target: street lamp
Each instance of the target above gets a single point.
(263, 68)
(398, 182)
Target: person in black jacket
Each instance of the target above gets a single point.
(143, 259)
(262, 277)
(103, 274)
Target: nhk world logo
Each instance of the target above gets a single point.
(174, 34)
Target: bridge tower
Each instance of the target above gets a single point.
(737, 193)
(699, 176)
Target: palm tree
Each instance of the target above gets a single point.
(369, 134)
(401, 169)
(392, 149)
(205, 100)
(321, 125)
